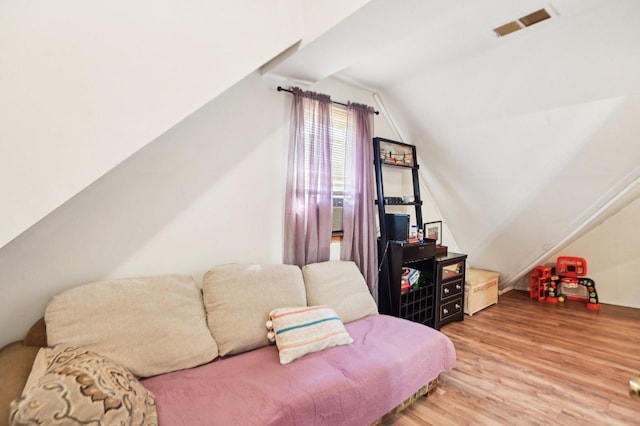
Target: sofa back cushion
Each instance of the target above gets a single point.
(239, 297)
(340, 285)
(149, 325)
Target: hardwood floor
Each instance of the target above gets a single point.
(524, 362)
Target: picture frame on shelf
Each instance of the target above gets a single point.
(397, 153)
(433, 230)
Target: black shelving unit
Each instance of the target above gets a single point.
(417, 304)
(438, 297)
(379, 163)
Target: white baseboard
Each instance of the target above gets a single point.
(507, 289)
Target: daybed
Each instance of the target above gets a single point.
(163, 350)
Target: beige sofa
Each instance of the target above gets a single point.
(134, 350)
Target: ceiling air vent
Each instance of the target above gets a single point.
(507, 28)
(525, 21)
(535, 17)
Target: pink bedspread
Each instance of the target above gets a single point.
(354, 384)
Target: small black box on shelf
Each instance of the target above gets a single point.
(393, 200)
(397, 226)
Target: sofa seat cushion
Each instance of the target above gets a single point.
(239, 297)
(70, 385)
(354, 384)
(340, 285)
(149, 325)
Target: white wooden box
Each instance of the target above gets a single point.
(480, 290)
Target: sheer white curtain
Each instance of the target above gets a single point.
(308, 202)
(359, 239)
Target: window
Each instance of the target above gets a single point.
(338, 136)
(338, 141)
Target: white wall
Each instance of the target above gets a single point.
(612, 251)
(207, 192)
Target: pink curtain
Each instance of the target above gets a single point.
(308, 203)
(359, 239)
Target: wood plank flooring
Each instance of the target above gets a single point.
(524, 362)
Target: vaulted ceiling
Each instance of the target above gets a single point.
(526, 140)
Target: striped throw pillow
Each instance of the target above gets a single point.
(302, 330)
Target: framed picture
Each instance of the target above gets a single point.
(397, 153)
(433, 230)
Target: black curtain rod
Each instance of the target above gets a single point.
(282, 89)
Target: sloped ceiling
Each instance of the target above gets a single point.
(83, 85)
(525, 140)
